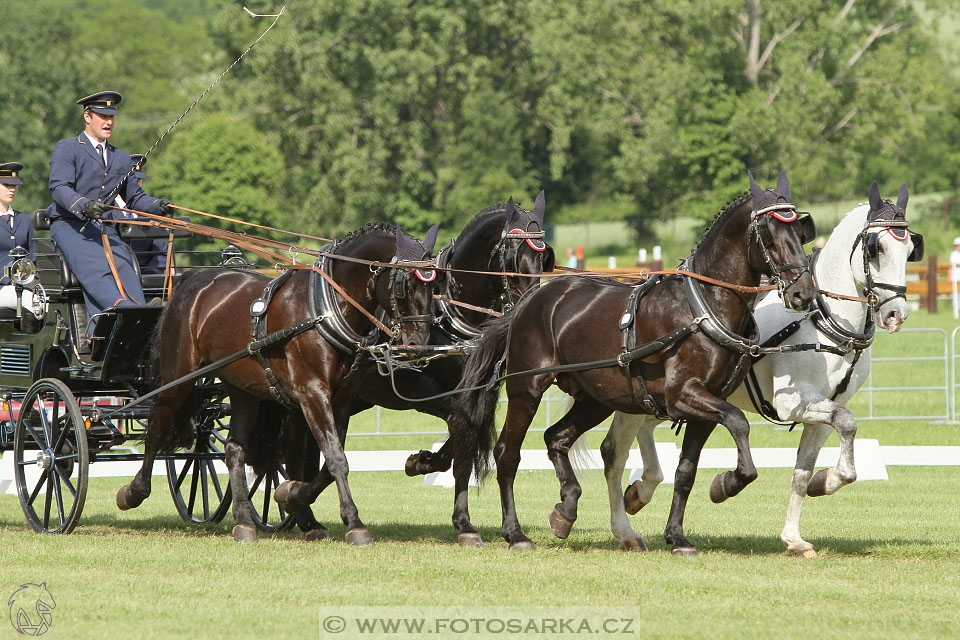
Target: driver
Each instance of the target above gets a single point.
(16, 230)
(85, 172)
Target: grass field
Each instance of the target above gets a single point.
(889, 562)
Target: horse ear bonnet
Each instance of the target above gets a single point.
(430, 241)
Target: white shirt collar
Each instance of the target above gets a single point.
(94, 142)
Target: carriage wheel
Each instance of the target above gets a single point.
(198, 494)
(268, 514)
(51, 458)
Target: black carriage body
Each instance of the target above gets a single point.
(50, 377)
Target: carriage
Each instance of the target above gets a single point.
(67, 402)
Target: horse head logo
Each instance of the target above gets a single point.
(30, 607)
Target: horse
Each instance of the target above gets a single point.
(377, 267)
(582, 334)
(501, 238)
(812, 385)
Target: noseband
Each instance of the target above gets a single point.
(759, 228)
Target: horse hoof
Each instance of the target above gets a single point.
(522, 545)
(818, 484)
(410, 468)
(281, 495)
(125, 500)
(560, 525)
(717, 492)
(684, 551)
(316, 535)
(469, 540)
(806, 552)
(631, 499)
(633, 544)
(244, 533)
(358, 537)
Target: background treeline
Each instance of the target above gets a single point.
(417, 112)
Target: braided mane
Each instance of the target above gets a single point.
(485, 214)
(731, 206)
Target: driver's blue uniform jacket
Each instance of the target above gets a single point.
(77, 174)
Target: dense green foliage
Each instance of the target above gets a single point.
(418, 112)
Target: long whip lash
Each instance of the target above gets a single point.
(276, 17)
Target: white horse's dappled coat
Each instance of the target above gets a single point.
(798, 385)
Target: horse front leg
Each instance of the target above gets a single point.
(814, 435)
(303, 464)
(582, 416)
(163, 420)
(694, 437)
(614, 450)
(729, 483)
(321, 416)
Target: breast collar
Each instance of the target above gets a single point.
(449, 319)
(322, 304)
(828, 325)
(711, 324)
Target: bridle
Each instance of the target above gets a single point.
(870, 244)
(402, 273)
(507, 259)
(760, 228)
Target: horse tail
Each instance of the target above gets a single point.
(473, 429)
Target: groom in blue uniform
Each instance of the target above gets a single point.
(85, 172)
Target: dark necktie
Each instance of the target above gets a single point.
(100, 153)
(8, 220)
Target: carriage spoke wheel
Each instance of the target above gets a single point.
(51, 458)
(268, 514)
(198, 492)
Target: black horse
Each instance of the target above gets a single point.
(501, 238)
(672, 347)
(209, 318)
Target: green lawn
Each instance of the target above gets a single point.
(889, 563)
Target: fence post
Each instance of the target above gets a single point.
(932, 284)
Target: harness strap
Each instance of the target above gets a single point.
(336, 287)
(258, 330)
(108, 252)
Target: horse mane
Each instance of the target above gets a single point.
(485, 214)
(720, 215)
(389, 227)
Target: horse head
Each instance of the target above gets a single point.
(779, 232)
(522, 248)
(408, 291)
(887, 245)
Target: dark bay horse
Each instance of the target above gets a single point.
(501, 238)
(693, 344)
(209, 317)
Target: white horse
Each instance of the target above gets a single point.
(864, 259)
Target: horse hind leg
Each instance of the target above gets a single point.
(614, 450)
(245, 411)
(167, 415)
(582, 416)
(640, 493)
